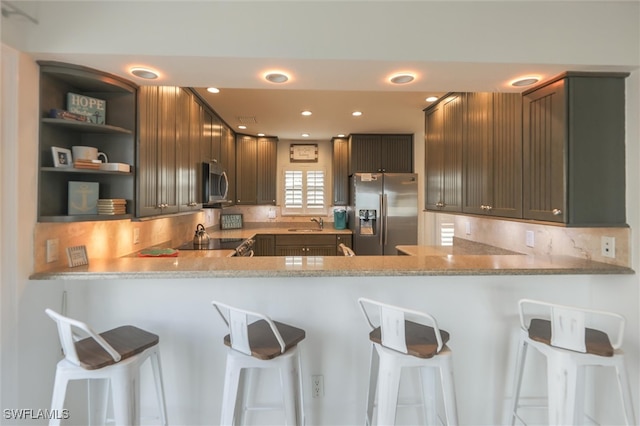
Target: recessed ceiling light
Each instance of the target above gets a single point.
(356, 113)
(305, 135)
(402, 78)
(525, 81)
(213, 90)
(144, 73)
(306, 113)
(276, 77)
(261, 134)
(431, 99)
(242, 126)
(341, 135)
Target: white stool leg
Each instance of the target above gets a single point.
(388, 387)
(230, 392)
(561, 389)
(517, 381)
(246, 393)
(625, 391)
(123, 392)
(57, 400)
(578, 411)
(374, 367)
(157, 373)
(448, 390)
(300, 390)
(430, 403)
(98, 390)
(288, 382)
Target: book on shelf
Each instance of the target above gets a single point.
(83, 198)
(87, 164)
(67, 115)
(111, 201)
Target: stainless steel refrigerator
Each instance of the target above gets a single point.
(383, 212)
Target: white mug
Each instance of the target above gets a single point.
(88, 153)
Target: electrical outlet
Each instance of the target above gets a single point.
(317, 386)
(608, 247)
(468, 228)
(136, 235)
(52, 250)
(272, 214)
(530, 239)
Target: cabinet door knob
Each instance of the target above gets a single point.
(557, 212)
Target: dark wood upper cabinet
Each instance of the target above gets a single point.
(267, 170)
(256, 170)
(443, 154)
(493, 154)
(574, 150)
(370, 153)
(340, 163)
(228, 160)
(189, 133)
(157, 158)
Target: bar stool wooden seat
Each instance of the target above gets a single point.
(112, 358)
(398, 342)
(563, 338)
(263, 343)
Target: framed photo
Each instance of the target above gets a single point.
(77, 256)
(61, 157)
(303, 153)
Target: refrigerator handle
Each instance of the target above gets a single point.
(381, 219)
(386, 217)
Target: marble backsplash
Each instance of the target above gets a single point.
(585, 243)
(109, 239)
(115, 238)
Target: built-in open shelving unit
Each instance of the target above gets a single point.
(116, 138)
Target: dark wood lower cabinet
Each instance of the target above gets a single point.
(300, 244)
(264, 245)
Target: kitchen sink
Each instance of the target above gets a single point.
(304, 230)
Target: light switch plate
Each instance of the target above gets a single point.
(530, 239)
(52, 250)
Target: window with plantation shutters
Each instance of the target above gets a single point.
(304, 192)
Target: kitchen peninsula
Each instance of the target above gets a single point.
(421, 261)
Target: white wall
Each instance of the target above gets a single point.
(25, 371)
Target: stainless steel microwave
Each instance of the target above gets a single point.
(215, 184)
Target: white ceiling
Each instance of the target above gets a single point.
(339, 53)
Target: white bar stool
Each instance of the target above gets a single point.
(260, 344)
(113, 357)
(562, 337)
(398, 343)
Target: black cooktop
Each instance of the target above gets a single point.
(214, 244)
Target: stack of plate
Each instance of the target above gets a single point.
(112, 206)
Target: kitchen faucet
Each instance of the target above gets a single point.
(319, 221)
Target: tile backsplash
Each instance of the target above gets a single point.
(115, 238)
(111, 239)
(585, 243)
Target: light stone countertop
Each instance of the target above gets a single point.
(198, 264)
(464, 258)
